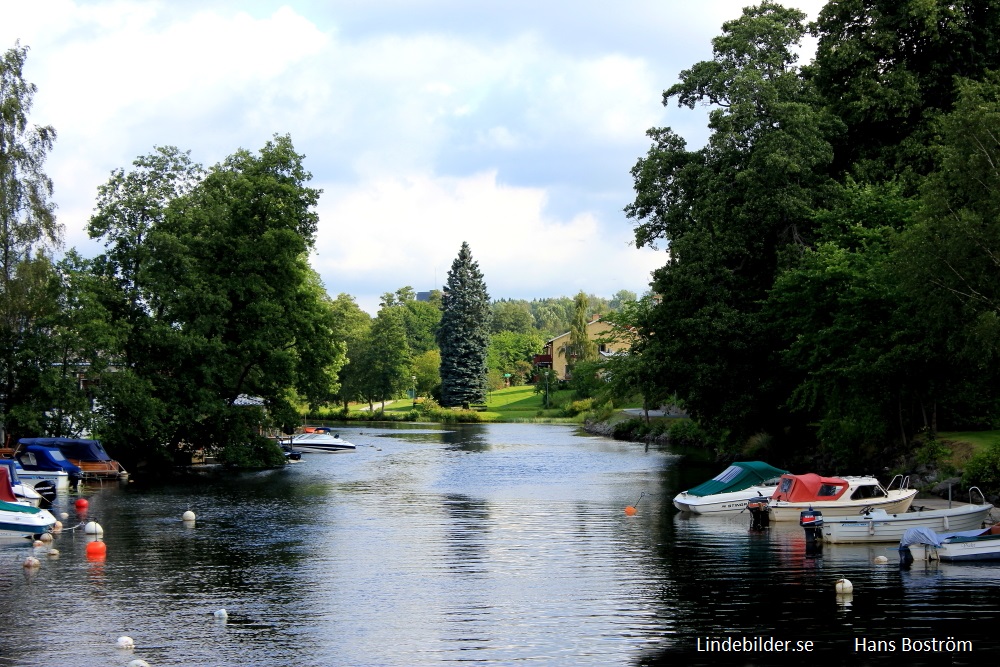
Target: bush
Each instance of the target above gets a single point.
(685, 432)
(578, 407)
(259, 452)
(983, 469)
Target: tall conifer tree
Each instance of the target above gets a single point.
(464, 333)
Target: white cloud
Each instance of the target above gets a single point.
(401, 231)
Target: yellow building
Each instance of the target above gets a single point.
(554, 356)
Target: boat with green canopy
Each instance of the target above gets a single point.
(730, 490)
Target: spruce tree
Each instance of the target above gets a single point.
(464, 333)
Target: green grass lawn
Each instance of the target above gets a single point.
(965, 444)
(508, 404)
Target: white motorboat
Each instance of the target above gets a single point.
(321, 442)
(18, 519)
(877, 525)
(731, 489)
(836, 496)
(969, 545)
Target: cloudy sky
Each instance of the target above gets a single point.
(426, 123)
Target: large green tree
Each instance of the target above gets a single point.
(28, 233)
(222, 303)
(464, 333)
(732, 213)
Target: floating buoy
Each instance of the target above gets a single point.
(630, 510)
(81, 504)
(37, 544)
(844, 586)
(64, 515)
(125, 642)
(45, 538)
(53, 553)
(881, 560)
(138, 663)
(188, 516)
(30, 563)
(221, 614)
(93, 528)
(57, 527)
(96, 549)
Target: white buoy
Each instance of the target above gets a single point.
(188, 516)
(45, 538)
(93, 528)
(138, 663)
(125, 642)
(221, 614)
(53, 553)
(881, 560)
(844, 586)
(37, 544)
(64, 515)
(57, 527)
(31, 563)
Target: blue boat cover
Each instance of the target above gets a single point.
(740, 475)
(921, 535)
(73, 448)
(46, 458)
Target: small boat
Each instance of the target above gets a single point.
(836, 496)
(319, 441)
(42, 462)
(877, 525)
(970, 545)
(730, 490)
(88, 455)
(25, 492)
(17, 519)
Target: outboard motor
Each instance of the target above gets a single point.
(905, 558)
(47, 490)
(760, 514)
(812, 522)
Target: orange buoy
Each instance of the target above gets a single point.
(630, 511)
(96, 550)
(81, 503)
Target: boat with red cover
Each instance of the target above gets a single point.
(837, 496)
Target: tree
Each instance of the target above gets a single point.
(512, 316)
(386, 361)
(28, 232)
(887, 69)
(508, 350)
(579, 348)
(733, 213)
(464, 334)
(227, 306)
(351, 327)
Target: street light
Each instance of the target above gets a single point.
(414, 378)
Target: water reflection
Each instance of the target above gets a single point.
(502, 544)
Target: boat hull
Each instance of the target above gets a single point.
(24, 521)
(898, 501)
(878, 527)
(720, 503)
(317, 447)
(960, 550)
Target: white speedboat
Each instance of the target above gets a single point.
(731, 489)
(877, 525)
(969, 545)
(836, 496)
(321, 442)
(18, 519)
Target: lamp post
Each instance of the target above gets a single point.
(414, 378)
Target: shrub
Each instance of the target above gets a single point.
(685, 432)
(983, 469)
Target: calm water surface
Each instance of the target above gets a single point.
(487, 544)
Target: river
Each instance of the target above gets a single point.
(503, 544)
